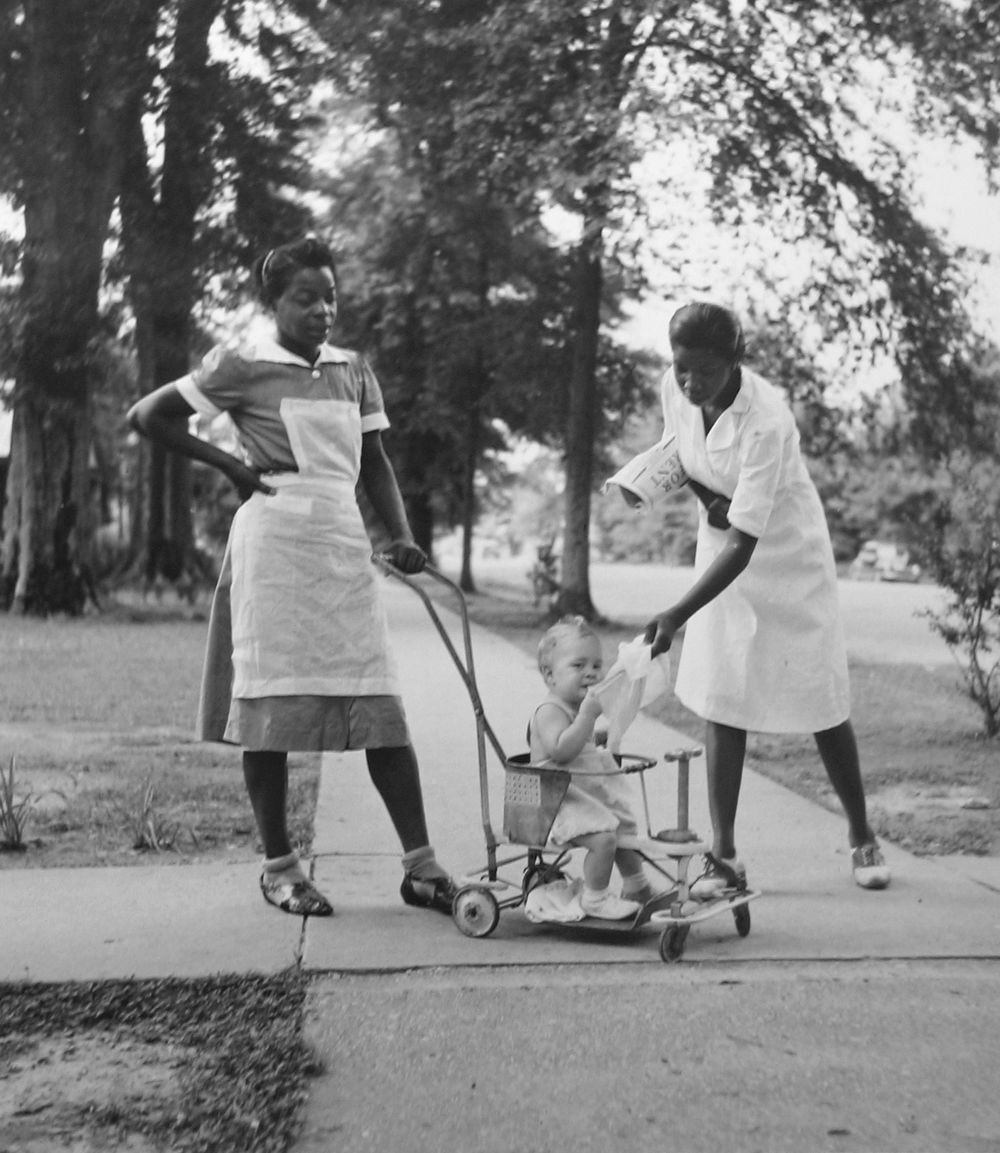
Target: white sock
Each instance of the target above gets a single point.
(289, 863)
(421, 864)
(634, 883)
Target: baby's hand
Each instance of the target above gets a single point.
(591, 706)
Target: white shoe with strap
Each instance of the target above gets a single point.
(869, 867)
(719, 875)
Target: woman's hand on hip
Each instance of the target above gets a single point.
(660, 632)
(406, 556)
(246, 481)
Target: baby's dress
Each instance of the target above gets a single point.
(593, 804)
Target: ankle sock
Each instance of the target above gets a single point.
(634, 883)
(421, 864)
(288, 864)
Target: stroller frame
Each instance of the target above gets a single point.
(532, 795)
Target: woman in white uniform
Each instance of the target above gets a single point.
(763, 648)
(298, 655)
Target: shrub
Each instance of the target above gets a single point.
(962, 550)
(14, 810)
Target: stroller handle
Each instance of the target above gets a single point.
(466, 668)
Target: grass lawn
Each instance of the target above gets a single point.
(98, 714)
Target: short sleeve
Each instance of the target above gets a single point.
(373, 414)
(762, 460)
(217, 384)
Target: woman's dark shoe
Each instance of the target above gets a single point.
(435, 893)
(294, 895)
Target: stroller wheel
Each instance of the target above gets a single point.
(476, 911)
(672, 942)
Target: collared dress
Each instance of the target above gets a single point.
(298, 654)
(768, 653)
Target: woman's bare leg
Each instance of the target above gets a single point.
(396, 776)
(838, 749)
(266, 778)
(725, 751)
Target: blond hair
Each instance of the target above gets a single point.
(564, 629)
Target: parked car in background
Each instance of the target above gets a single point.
(880, 560)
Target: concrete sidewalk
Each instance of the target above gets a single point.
(797, 852)
(83, 924)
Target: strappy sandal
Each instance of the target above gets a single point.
(299, 897)
(433, 892)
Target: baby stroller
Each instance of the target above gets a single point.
(522, 870)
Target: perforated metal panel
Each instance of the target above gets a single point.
(523, 789)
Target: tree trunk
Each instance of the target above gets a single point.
(574, 582)
(159, 227)
(69, 158)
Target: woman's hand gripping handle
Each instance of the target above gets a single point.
(406, 556)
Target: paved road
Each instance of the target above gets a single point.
(881, 620)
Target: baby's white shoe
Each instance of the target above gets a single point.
(607, 906)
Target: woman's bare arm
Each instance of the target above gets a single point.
(163, 416)
(719, 575)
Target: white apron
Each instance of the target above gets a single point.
(307, 618)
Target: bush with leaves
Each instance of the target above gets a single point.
(962, 551)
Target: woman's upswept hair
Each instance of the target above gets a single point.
(273, 271)
(710, 327)
(562, 630)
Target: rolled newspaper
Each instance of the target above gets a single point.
(648, 477)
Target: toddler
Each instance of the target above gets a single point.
(596, 808)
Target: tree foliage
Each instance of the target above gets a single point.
(962, 549)
(483, 124)
(806, 115)
(188, 114)
(77, 73)
(427, 79)
(211, 159)
(795, 115)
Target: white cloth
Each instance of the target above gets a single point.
(302, 556)
(558, 901)
(768, 653)
(634, 681)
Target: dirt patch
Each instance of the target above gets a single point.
(935, 800)
(932, 820)
(135, 1066)
(75, 1089)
